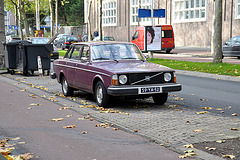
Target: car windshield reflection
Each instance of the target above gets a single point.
(116, 52)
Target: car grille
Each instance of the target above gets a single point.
(146, 78)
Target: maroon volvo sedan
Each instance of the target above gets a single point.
(108, 69)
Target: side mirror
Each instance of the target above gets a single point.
(133, 38)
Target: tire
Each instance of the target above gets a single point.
(62, 48)
(160, 98)
(67, 91)
(101, 96)
(238, 57)
(168, 50)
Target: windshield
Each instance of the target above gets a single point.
(40, 40)
(115, 52)
(72, 39)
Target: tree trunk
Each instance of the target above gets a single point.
(19, 20)
(2, 34)
(89, 22)
(217, 37)
(100, 21)
(51, 16)
(26, 26)
(56, 16)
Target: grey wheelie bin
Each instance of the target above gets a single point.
(14, 55)
(30, 57)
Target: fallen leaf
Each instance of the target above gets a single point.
(21, 142)
(219, 109)
(34, 104)
(63, 108)
(57, 119)
(189, 151)
(187, 122)
(221, 141)
(71, 126)
(198, 130)
(210, 149)
(182, 156)
(207, 108)
(135, 130)
(202, 99)
(229, 107)
(203, 112)
(234, 129)
(84, 132)
(27, 156)
(234, 114)
(68, 115)
(188, 146)
(23, 90)
(15, 139)
(172, 106)
(229, 156)
(115, 129)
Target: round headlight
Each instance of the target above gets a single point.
(122, 79)
(167, 77)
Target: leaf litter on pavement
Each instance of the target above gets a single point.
(6, 149)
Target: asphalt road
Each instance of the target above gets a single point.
(201, 92)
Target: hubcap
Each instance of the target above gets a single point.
(99, 94)
(65, 86)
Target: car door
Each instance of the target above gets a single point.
(72, 64)
(83, 70)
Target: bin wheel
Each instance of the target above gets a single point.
(11, 72)
(32, 72)
(25, 73)
(48, 72)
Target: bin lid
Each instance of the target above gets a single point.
(18, 42)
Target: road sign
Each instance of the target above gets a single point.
(142, 13)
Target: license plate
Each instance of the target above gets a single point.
(149, 90)
(73, 42)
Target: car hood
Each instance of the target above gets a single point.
(129, 66)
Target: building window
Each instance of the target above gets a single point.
(109, 10)
(190, 10)
(237, 9)
(145, 4)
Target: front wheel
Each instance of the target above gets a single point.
(101, 96)
(160, 98)
(67, 91)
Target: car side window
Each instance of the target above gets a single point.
(85, 54)
(76, 52)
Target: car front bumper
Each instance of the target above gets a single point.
(147, 89)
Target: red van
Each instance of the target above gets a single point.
(167, 38)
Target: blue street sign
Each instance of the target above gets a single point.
(16, 27)
(159, 13)
(142, 13)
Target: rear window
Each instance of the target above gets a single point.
(167, 34)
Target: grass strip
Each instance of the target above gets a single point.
(221, 69)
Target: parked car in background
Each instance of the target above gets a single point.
(231, 48)
(85, 38)
(65, 41)
(44, 40)
(11, 38)
(105, 38)
(108, 69)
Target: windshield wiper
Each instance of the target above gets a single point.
(101, 58)
(129, 58)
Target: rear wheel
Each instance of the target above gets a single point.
(67, 91)
(168, 50)
(160, 98)
(101, 96)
